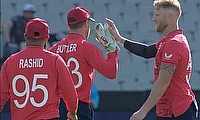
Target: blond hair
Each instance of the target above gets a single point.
(172, 4)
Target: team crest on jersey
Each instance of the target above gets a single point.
(168, 56)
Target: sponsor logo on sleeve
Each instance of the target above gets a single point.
(168, 56)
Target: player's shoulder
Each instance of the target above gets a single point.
(89, 44)
(177, 39)
(52, 57)
(90, 47)
(178, 43)
(12, 58)
(50, 53)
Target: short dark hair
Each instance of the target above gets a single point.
(75, 26)
(34, 41)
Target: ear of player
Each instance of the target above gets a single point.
(103, 36)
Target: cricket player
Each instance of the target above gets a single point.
(171, 92)
(33, 77)
(83, 58)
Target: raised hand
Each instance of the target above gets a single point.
(114, 31)
(103, 36)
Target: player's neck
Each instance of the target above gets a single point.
(170, 29)
(80, 32)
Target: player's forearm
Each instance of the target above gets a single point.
(110, 69)
(120, 40)
(107, 67)
(66, 85)
(160, 86)
(140, 49)
(70, 96)
(155, 94)
(72, 104)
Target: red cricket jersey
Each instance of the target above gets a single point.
(83, 58)
(31, 79)
(174, 50)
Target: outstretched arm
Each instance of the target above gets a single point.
(140, 49)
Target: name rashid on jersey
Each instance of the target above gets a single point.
(31, 63)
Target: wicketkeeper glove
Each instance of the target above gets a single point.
(103, 35)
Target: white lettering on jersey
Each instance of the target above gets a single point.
(66, 48)
(31, 63)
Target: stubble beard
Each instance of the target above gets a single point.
(160, 27)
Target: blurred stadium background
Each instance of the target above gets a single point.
(124, 95)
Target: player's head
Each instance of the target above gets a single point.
(28, 11)
(168, 4)
(36, 32)
(167, 12)
(79, 18)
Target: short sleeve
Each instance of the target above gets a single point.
(172, 53)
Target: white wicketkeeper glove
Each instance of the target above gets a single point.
(103, 35)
